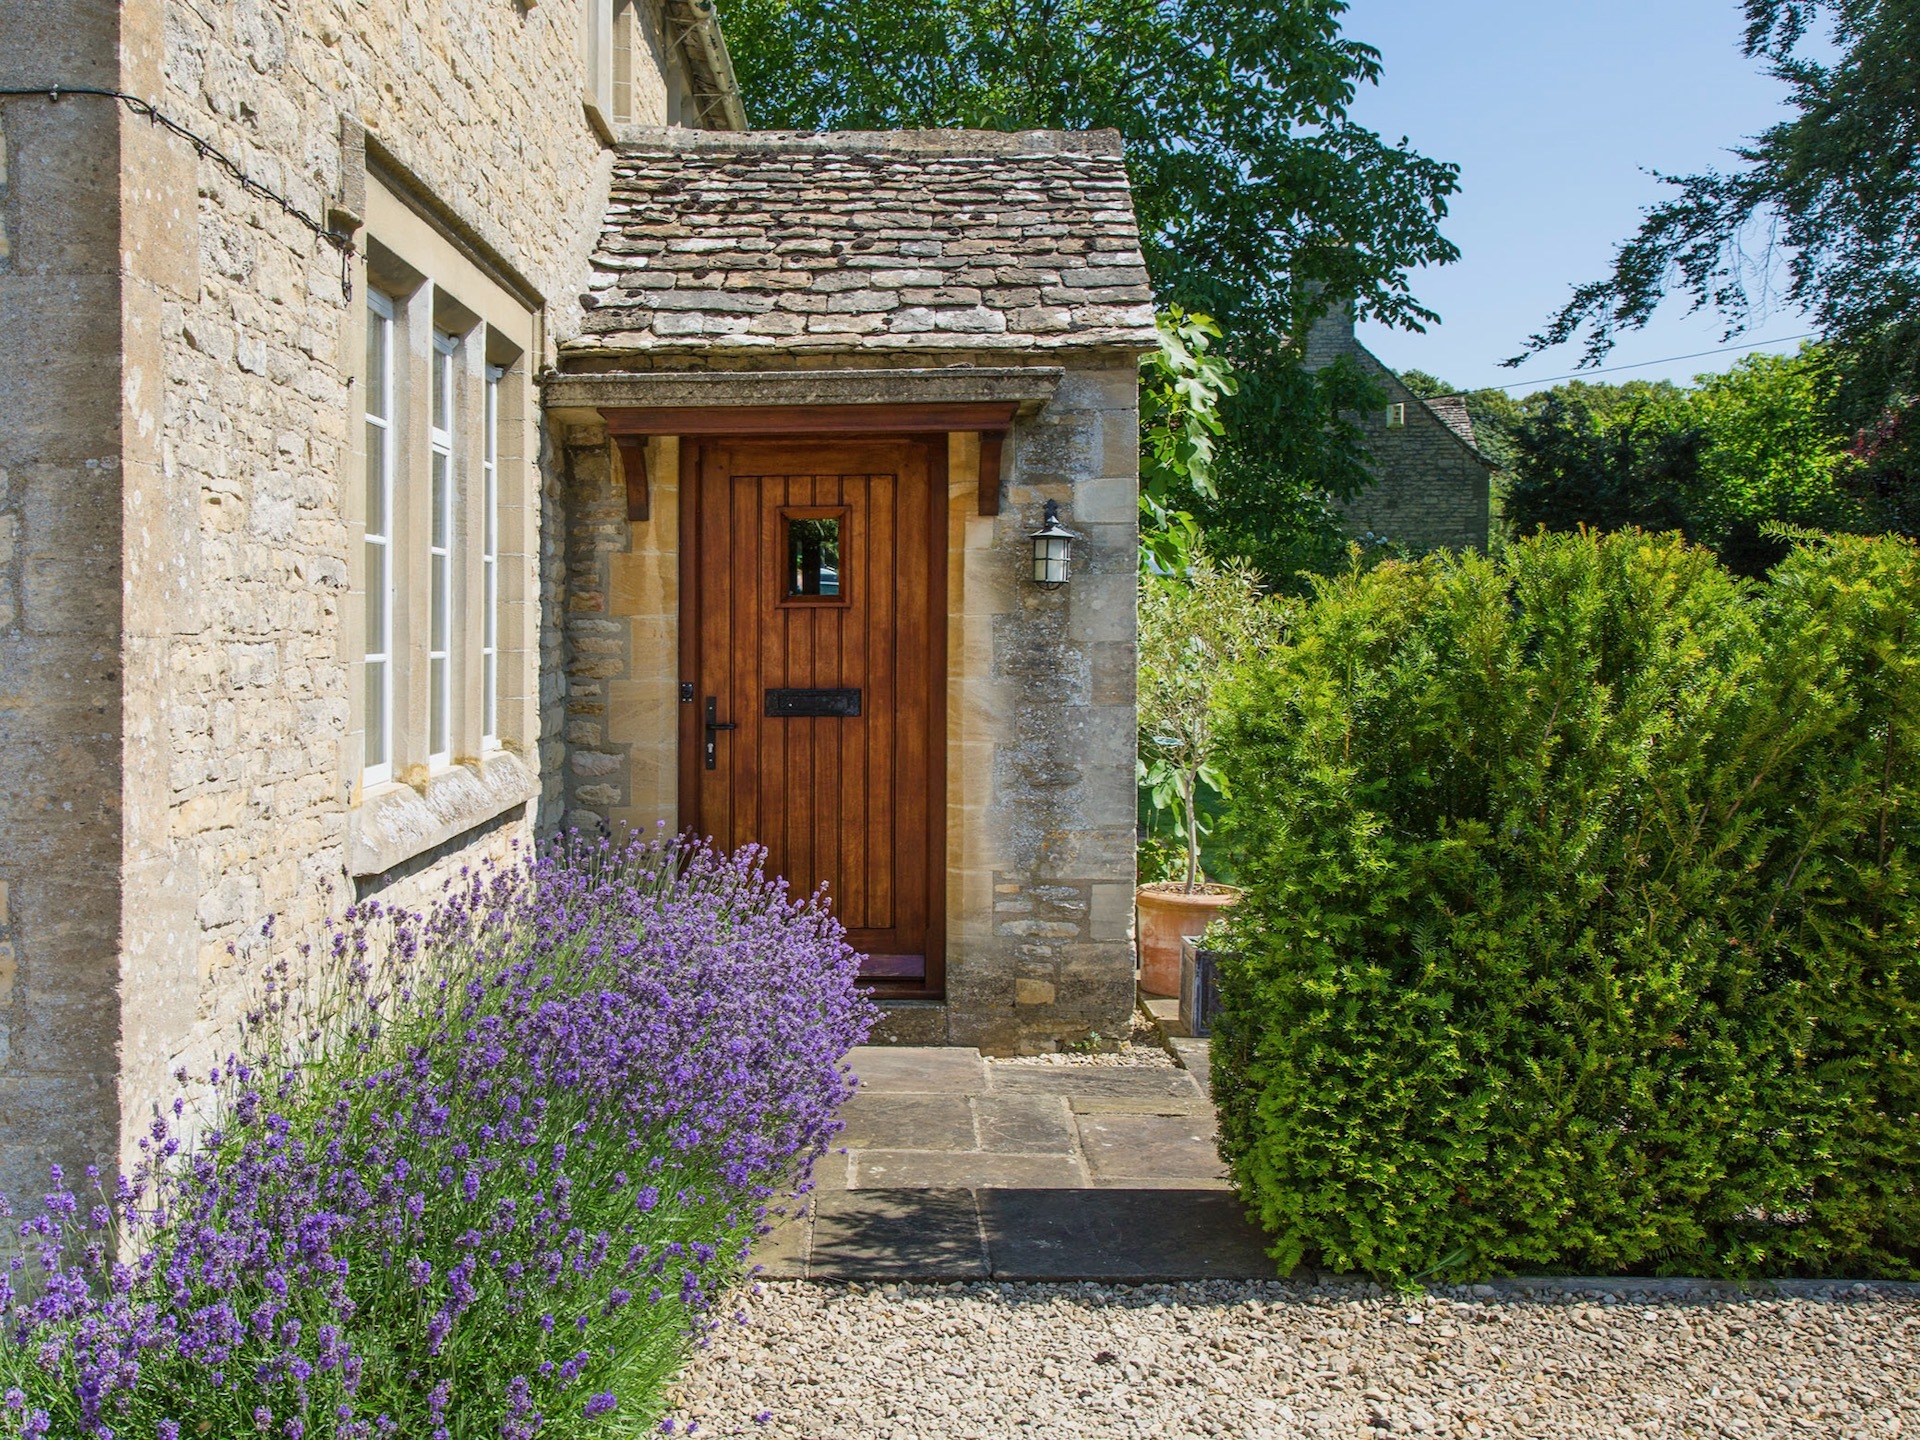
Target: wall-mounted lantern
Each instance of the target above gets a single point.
(1052, 551)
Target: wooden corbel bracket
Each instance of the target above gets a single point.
(633, 465)
(992, 447)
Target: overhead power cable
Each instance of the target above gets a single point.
(1637, 365)
(207, 150)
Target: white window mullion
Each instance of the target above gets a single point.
(377, 759)
(440, 617)
(490, 562)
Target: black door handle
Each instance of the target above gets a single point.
(714, 727)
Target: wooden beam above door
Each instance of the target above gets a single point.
(731, 421)
(1030, 387)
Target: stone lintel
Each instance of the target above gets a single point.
(1028, 386)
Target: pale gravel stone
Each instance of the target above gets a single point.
(1142, 1049)
(1271, 1359)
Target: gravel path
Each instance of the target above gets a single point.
(1258, 1360)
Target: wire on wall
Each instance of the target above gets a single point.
(207, 150)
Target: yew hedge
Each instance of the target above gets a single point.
(1582, 925)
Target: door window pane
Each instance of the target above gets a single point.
(813, 557)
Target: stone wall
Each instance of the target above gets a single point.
(180, 372)
(60, 620)
(1433, 488)
(1042, 717)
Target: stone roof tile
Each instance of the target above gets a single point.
(908, 240)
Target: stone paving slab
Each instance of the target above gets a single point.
(1118, 1083)
(903, 1069)
(935, 1169)
(1135, 1236)
(877, 1121)
(1165, 1105)
(1024, 1124)
(1139, 1147)
(1197, 1056)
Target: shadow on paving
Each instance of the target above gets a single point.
(1115, 1235)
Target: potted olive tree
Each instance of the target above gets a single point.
(1194, 629)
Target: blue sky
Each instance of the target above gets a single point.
(1554, 109)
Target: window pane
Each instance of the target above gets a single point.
(376, 479)
(439, 603)
(442, 389)
(376, 712)
(439, 501)
(437, 707)
(490, 677)
(813, 557)
(378, 327)
(376, 601)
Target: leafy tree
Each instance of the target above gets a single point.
(1577, 466)
(1722, 462)
(1261, 201)
(1181, 388)
(1836, 188)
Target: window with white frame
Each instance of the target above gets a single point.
(440, 552)
(444, 638)
(377, 765)
(490, 559)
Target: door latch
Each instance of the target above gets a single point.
(714, 727)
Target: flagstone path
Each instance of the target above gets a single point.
(957, 1167)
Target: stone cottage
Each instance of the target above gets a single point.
(429, 426)
(1432, 486)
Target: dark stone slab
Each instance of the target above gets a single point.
(1131, 1236)
(896, 1235)
(1116, 1082)
(878, 1121)
(1030, 1124)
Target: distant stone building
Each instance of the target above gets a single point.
(1432, 486)
(514, 448)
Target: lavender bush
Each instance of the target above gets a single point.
(486, 1181)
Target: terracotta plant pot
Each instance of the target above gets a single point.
(1166, 915)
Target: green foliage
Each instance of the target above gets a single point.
(1834, 187)
(1582, 925)
(1181, 387)
(1740, 451)
(1194, 628)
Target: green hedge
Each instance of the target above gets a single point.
(1582, 929)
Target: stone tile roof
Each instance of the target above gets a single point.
(909, 241)
(1452, 410)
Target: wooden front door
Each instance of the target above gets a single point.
(813, 640)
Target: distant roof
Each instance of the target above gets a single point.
(1452, 410)
(901, 241)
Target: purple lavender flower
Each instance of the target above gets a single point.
(409, 1178)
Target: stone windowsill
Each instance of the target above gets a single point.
(393, 824)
